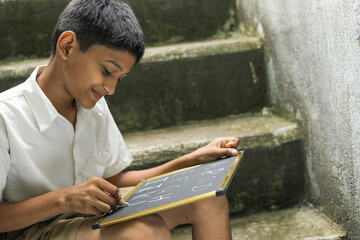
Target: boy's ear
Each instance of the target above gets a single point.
(66, 44)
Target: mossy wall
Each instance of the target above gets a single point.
(26, 25)
(165, 21)
(160, 94)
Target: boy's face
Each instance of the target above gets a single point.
(92, 74)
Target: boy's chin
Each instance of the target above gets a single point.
(88, 105)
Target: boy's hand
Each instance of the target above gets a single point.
(220, 147)
(95, 196)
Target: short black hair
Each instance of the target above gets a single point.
(110, 23)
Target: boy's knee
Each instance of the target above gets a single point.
(149, 227)
(212, 204)
(154, 226)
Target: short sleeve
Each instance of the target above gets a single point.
(4, 158)
(115, 145)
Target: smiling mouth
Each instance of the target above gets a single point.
(96, 94)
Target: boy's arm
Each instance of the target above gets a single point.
(95, 196)
(19, 215)
(217, 148)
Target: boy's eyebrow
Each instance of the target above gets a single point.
(114, 63)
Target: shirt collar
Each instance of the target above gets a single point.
(42, 108)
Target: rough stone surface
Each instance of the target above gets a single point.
(313, 57)
(182, 20)
(254, 130)
(13, 73)
(298, 223)
(26, 26)
(271, 175)
(191, 82)
(237, 43)
(180, 83)
(240, 43)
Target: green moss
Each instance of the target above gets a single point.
(26, 25)
(180, 90)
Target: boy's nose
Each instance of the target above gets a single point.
(106, 91)
(110, 87)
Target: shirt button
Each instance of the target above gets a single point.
(80, 173)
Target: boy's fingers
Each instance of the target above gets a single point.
(110, 188)
(102, 208)
(229, 152)
(120, 201)
(233, 142)
(109, 193)
(108, 199)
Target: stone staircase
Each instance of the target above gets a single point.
(297, 223)
(201, 79)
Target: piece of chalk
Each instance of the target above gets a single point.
(125, 204)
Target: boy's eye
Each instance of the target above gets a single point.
(106, 72)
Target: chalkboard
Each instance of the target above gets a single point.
(175, 189)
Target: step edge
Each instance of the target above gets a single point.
(341, 233)
(337, 230)
(20, 68)
(269, 138)
(153, 54)
(201, 49)
(332, 237)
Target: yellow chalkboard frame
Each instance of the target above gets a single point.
(220, 191)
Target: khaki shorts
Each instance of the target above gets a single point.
(65, 226)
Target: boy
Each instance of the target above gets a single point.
(61, 154)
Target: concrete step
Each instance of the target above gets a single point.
(27, 26)
(179, 83)
(194, 81)
(165, 22)
(298, 223)
(272, 173)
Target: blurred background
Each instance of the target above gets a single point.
(283, 76)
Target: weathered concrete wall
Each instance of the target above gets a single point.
(313, 64)
(165, 93)
(26, 25)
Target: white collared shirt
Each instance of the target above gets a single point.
(41, 152)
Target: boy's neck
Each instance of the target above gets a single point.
(51, 83)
